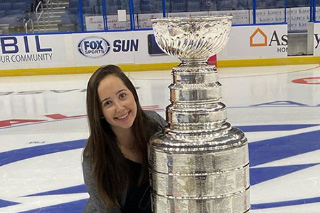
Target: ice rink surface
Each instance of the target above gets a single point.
(43, 129)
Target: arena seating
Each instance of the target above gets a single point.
(14, 13)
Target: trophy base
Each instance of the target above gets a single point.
(236, 203)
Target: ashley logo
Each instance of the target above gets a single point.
(258, 38)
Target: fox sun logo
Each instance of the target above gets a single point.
(93, 47)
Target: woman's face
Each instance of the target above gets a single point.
(117, 103)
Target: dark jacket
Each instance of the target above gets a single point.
(94, 204)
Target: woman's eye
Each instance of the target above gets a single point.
(107, 103)
(122, 95)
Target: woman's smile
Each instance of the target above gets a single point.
(123, 117)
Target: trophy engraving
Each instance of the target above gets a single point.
(199, 163)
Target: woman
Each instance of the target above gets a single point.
(115, 164)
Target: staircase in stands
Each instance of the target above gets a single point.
(51, 16)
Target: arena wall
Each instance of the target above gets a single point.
(249, 45)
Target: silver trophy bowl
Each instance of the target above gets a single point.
(195, 38)
(199, 163)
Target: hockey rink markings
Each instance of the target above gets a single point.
(55, 117)
(261, 152)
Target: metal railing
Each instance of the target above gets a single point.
(41, 15)
(39, 12)
(29, 22)
(49, 11)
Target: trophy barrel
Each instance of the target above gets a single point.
(199, 163)
(201, 176)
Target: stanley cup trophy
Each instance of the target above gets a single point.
(199, 163)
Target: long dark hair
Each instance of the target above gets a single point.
(107, 162)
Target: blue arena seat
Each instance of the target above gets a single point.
(261, 4)
(112, 10)
(244, 4)
(193, 6)
(14, 12)
(280, 4)
(25, 1)
(289, 3)
(20, 6)
(87, 10)
(14, 20)
(2, 13)
(68, 19)
(179, 6)
(73, 3)
(301, 3)
(98, 10)
(90, 3)
(6, 6)
(71, 10)
(209, 6)
(145, 7)
(225, 5)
